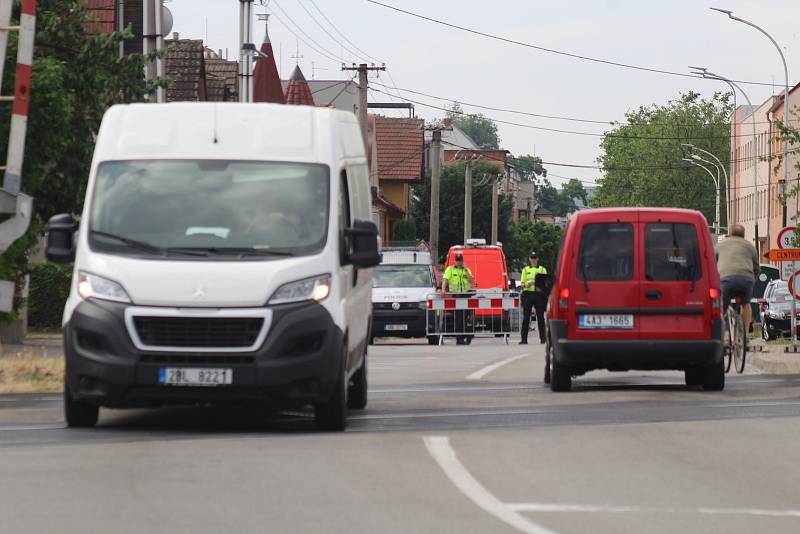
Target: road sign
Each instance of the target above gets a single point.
(787, 238)
(788, 268)
(792, 286)
(785, 254)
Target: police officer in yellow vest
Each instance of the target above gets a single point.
(458, 281)
(532, 297)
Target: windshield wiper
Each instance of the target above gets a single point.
(224, 251)
(132, 243)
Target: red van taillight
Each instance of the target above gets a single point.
(563, 299)
(716, 311)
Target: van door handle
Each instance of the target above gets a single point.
(653, 295)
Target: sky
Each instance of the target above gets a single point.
(459, 66)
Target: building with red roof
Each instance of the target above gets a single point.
(266, 80)
(298, 93)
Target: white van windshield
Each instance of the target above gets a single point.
(402, 276)
(209, 208)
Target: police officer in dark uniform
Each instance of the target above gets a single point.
(533, 297)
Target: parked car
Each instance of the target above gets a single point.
(223, 254)
(402, 284)
(637, 289)
(767, 273)
(776, 311)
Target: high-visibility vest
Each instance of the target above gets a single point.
(529, 275)
(457, 281)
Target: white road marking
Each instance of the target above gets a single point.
(421, 415)
(439, 448)
(477, 375)
(30, 399)
(581, 508)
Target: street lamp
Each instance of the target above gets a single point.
(691, 147)
(705, 73)
(716, 183)
(785, 89)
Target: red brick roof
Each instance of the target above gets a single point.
(266, 80)
(298, 92)
(400, 148)
(184, 66)
(102, 14)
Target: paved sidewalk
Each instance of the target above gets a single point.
(47, 345)
(772, 358)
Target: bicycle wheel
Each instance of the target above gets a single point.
(739, 341)
(726, 349)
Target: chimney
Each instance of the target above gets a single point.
(448, 122)
(176, 36)
(219, 54)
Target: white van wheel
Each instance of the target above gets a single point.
(79, 414)
(332, 415)
(357, 393)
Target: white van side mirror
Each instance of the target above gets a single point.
(60, 238)
(362, 245)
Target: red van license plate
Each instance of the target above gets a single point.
(605, 321)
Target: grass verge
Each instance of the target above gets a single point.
(31, 374)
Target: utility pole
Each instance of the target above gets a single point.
(495, 210)
(363, 88)
(468, 200)
(436, 164)
(246, 51)
(153, 41)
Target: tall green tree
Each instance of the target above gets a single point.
(451, 206)
(526, 237)
(478, 127)
(530, 167)
(76, 76)
(642, 158)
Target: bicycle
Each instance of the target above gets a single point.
(736, 348)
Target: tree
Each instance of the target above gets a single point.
(642, 159)
(571, 191)
(539, 236)
(75, 78)
(530, 167)
(451, 205)
(479, 128)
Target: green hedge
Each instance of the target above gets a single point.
(405, 230)
(48, 293)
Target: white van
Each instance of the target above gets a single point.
(223, 255)
(402, 284)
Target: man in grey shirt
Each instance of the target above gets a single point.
(737, 261)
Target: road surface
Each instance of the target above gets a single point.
(455, 439)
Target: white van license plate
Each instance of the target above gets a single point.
(177, 376)
(621, 322)
(395, 327)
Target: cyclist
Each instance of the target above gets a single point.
(737, 261)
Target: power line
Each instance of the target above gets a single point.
(355, 54)
(540, 115)
(549, 50)
(572, 132)
(322, 52)
(336, 29)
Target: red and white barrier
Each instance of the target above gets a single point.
(22, 95)
(473, 303)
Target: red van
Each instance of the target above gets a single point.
(636, 289)
(488, 266)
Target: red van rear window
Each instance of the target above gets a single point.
(606, 253)
(671, 252)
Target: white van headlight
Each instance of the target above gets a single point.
(93, 286)
(316, 289)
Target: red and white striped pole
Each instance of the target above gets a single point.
(22, 94)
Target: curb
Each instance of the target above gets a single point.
(777, 366)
